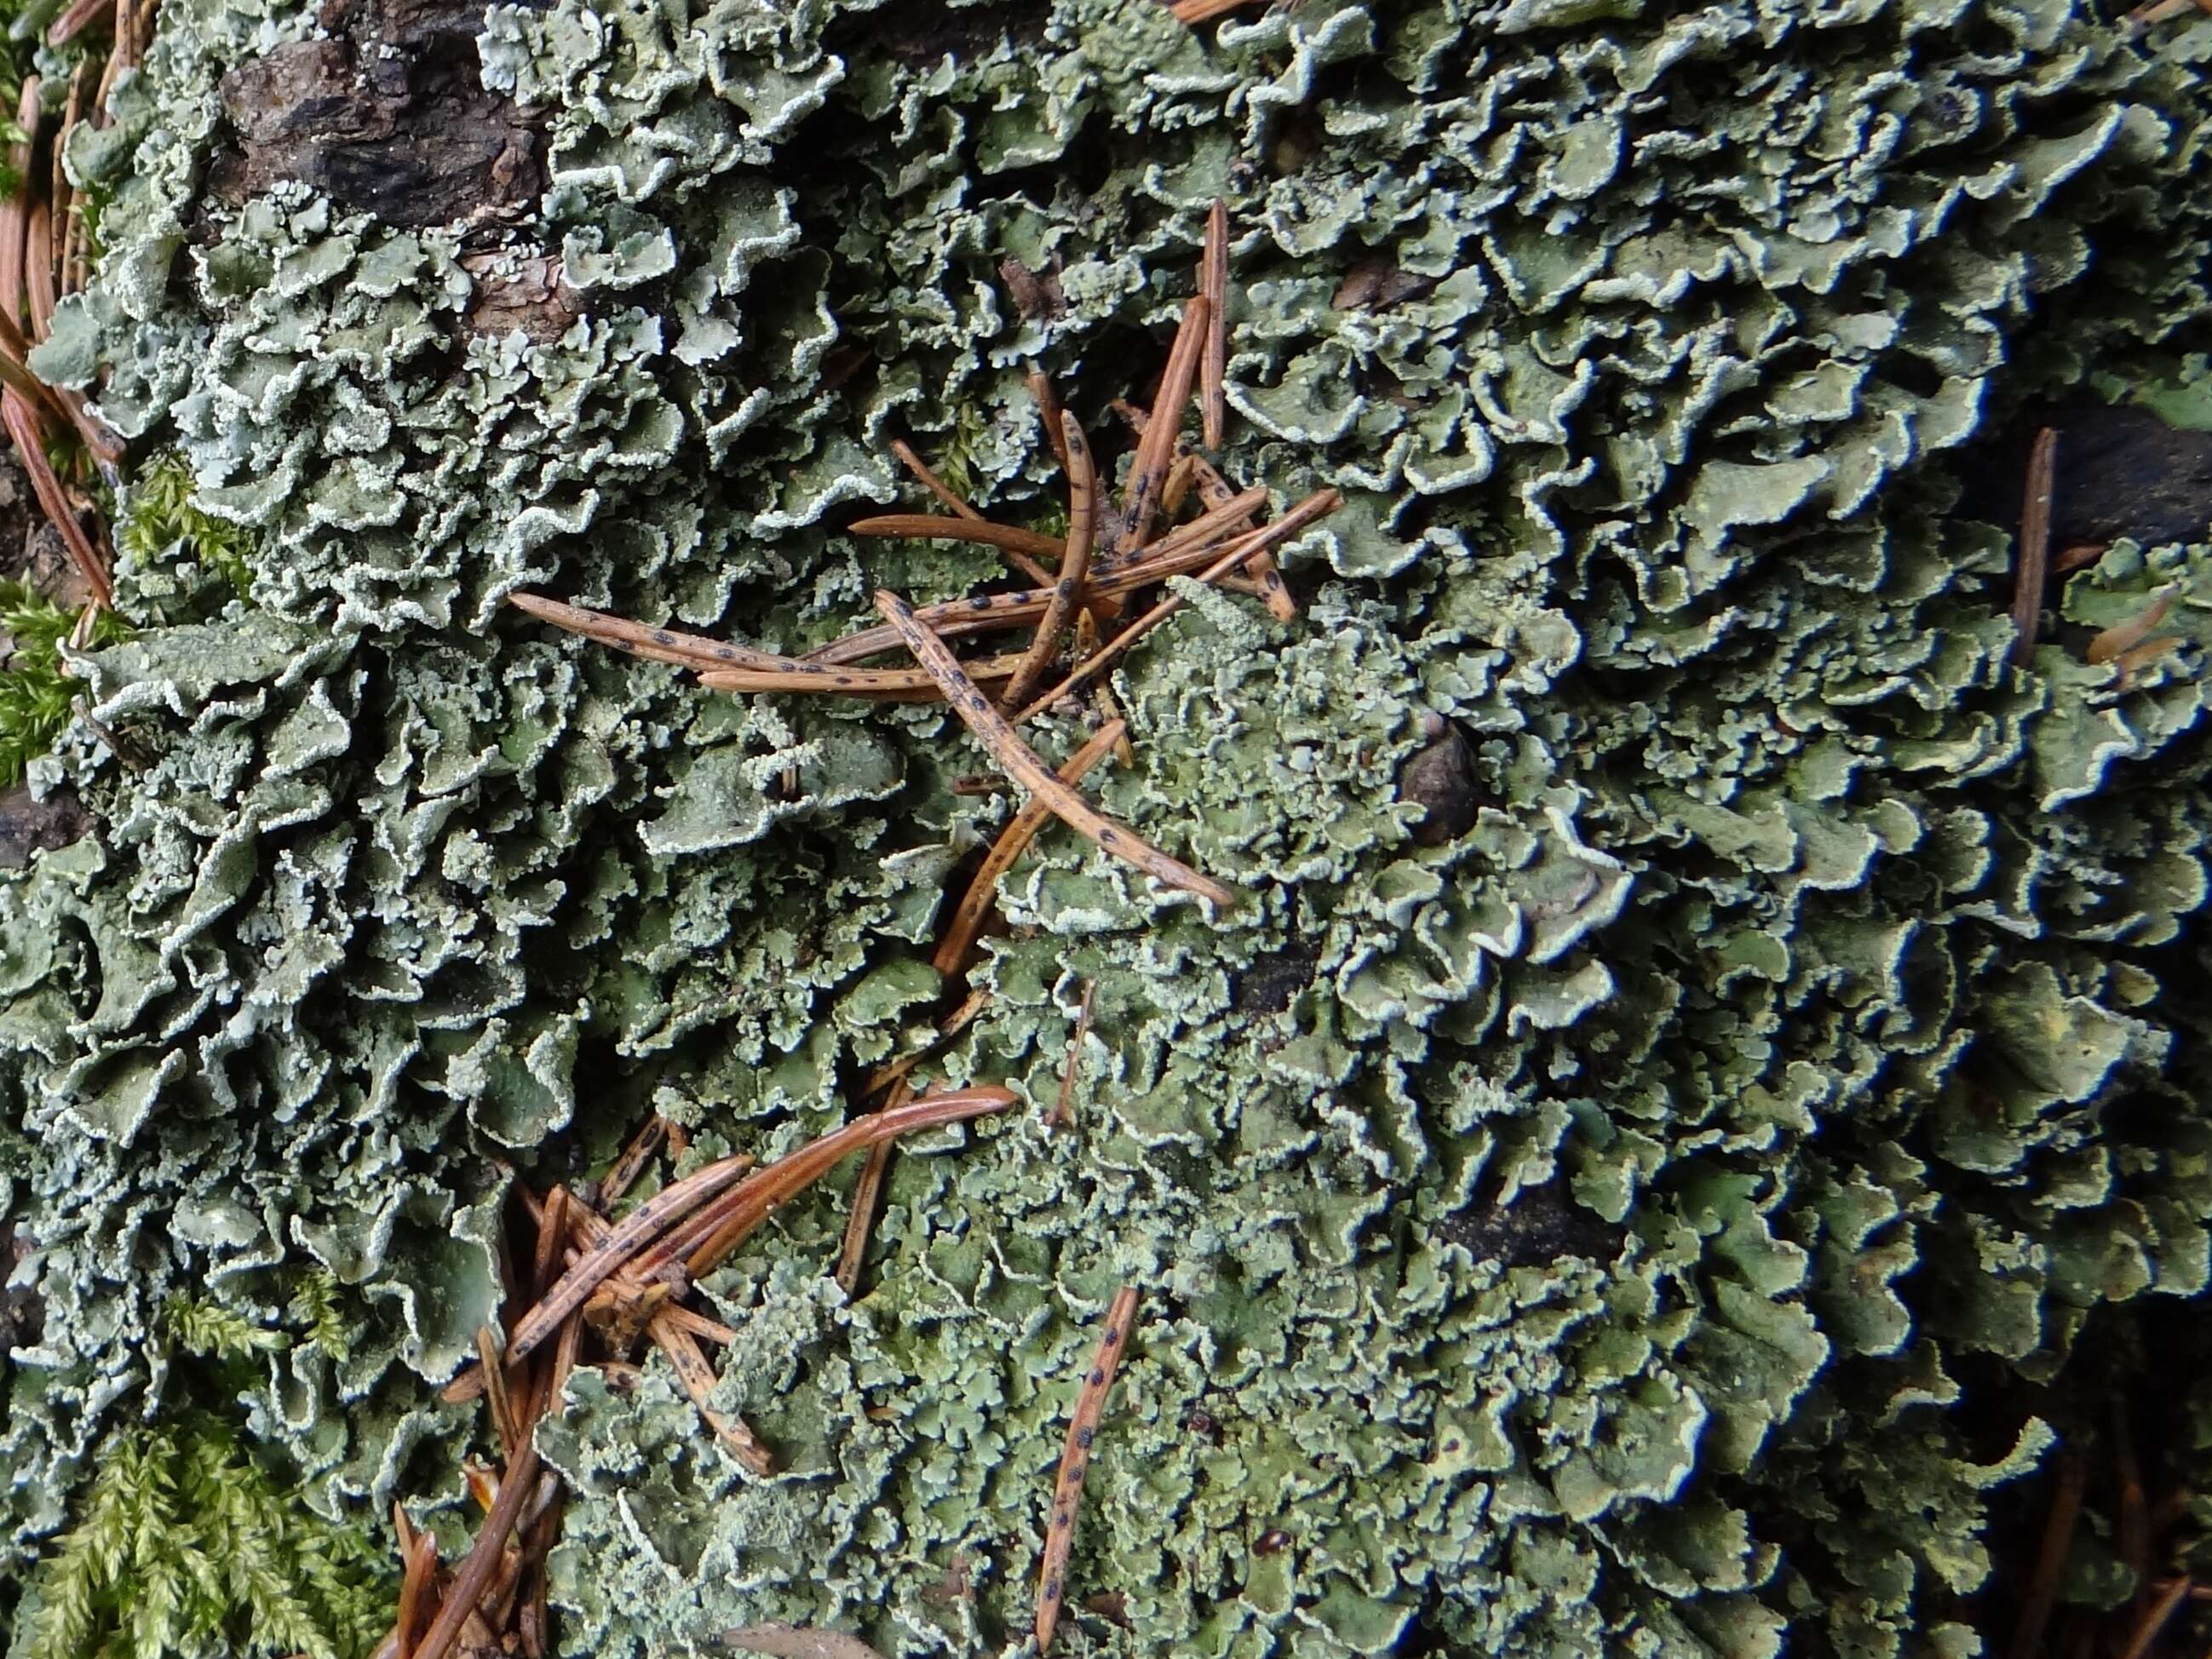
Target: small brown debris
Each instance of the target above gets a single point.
(1036, 294)
(1376, 283)
(1273, 1541)
(1112, 1606)
(2118, 640)
(29, 827)
(524, 292)
(1075, 1461)
(1440, 779)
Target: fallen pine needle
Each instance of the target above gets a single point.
(1074, 569)
(78, 17)
(1086, 646)
(929, 481)
(959, 941)
(602, 1261)
(416, 1579)
(929, 526)
(1316, 506)
(705, 1239)
(2051, 1559)
(1194, 12)
(1149, 470)
(1020, 762)
(503, 1419)
(2034, 567)
(698, 1379)
(867, 1200)
(484, 1556)
(1213, 368)
(23, 426)
(2154, 1620)
(1075, 1461)
(948, 1028)
(1047, 408)
(632, 1161)
(1063, 1109)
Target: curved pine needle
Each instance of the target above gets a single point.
(1047, 407)
(929, 481)
(23, 426)
(1316, 506)
(959, 941)
(601, 1262)
(929, 526)
(707, 1238)
(1213, 368)
(1075, 1462)
(997, 735)
(1074, 569)
(1154, 450)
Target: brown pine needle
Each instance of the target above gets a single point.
(1214, 369)
(2154, 1620)
(78, 17)
(867, 1201)
(1266, 580)
(600, 1263)
(1043, 551)
(38, 273)
(552, 1240)
(23, 427)
(668, 645)
(698, 1379)
(502, 1407)
(2034, 567)
(485, 1558)
(703, 1241)
(1149, 470)
(2051, 1559)
(1086, 646)
(1191, 13)
(1063, 1109)
(1075, 1462)
(929, 481)
(892, 684)
(1177, 490)
(1020, 762)
(416, 1583)
(632, 1161)
(959, 942)
(1177, 555)
(1047, 408)
(1316, 506)
(1067, 591)
(14, 207)
(948, 1028)
(2123, 637)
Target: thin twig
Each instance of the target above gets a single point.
(959, 941)
(1075, 1462)
(1315, 506)
(2034, 567)
(993, 731)
(1063, 1109)
(1067, 591)
(643, 1225)
(1149, 470)
(1213, 283)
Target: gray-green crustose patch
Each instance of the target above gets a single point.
(1533, 1218)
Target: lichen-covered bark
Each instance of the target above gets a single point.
(1692, 1006)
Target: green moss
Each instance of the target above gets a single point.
(185, 1545)
(35, 694)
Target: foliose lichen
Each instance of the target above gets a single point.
(1579, 1235)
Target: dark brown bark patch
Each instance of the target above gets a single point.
(389, 116)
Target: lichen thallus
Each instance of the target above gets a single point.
(627, 1279)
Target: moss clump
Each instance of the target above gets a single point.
(35, 694)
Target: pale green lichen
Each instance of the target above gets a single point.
(1579, 1236)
